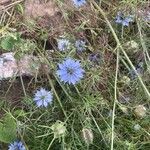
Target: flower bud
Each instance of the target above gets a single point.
(125, 80)
(124, 109)
(59, 129)
(137, 127)
(87, 135)
(132, 45)
(140, 111)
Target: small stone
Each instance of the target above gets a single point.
(35, 9)
(8, 66)
(140, 111)
(28, 65)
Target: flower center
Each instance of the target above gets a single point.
(43, 97)
(64, 45)
(70, 71)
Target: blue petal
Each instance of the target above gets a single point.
(125, 23)
(16, 145)
(39, 103)
(79, 3)
(42, 95)
(74, 65)
(63, 44)
(45, 104)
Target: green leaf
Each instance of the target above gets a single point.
(7, 43)
(20, 8)
(8, 129)
(19, 113)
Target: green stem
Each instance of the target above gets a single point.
(97, 126)
(24, 91)
(50, 144)
(115, 101)
(142, 42)
(120, 46)
(57, 97)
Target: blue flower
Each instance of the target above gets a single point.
(17, 145)
(79, 3)
(70, 71)
(95, 58)
(139, 70)
(124, 20)
(43, 97)
(63, 44)
(80, 45)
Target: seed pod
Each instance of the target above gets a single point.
(132, 46)
(58, 129)
(124, 109)
(87, 135)
(125, 80)
(137, 127)
(140, 111)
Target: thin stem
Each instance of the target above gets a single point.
(50, 144)
(97, 126)
(115, 101)
(24, 91)
(10, 86)
(122, 31)
(92, 117)
(121, 48)
(146, 132)
(52, 66)
(57, 97)
(142, 42)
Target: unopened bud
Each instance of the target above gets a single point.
(124, 109)
(59, 129)
(140, 111)
(125, 80)
(137, 127)
(87, 135)
(132, 45)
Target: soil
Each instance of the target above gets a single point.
(12, 91)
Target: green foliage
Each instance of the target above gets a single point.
(8, 129)
(8, 42)
(24, 47)
(105, 98)
(20, 8)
